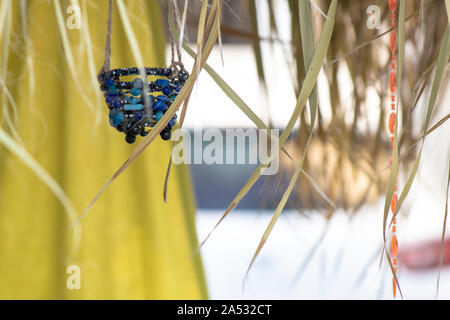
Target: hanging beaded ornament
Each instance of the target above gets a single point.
(134, 107)
(136, 104)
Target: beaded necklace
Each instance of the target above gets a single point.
(392, 128)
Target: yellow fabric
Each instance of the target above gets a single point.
(133, 245)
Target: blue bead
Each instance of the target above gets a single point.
(117, 103)
(109, 82)
(167, 91)
(162, 83)
(162, 98)
(138, 116)
(178, 89)
(133, 107)
(172, 123)
(159, 106)
(135, 91)
(158, 115)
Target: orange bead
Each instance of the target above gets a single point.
(392, 82)
(392, 122)
(394, 246)
(394, 202)
(393, 42)
(392, 5)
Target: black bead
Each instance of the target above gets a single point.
(166, 135)
(130, 139)
(134, 131)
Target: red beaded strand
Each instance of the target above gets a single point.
(391, 124)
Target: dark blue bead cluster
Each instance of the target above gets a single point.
(134, 108)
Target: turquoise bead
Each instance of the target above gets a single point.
(133, 100)
(112, 89)
(133, 107)
(116, 118)
(135, 91)
(158, 115)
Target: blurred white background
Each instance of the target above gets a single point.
(345, 264)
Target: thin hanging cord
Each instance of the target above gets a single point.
(176, 66)
(171, 15)
(172, 47)
(107, 65)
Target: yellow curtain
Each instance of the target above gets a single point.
(132, 245)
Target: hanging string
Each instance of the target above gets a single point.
(176, 65)
(172, 15)
(172, 48)
(107, 64)
(175, 47)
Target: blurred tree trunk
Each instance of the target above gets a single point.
(132, 245)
